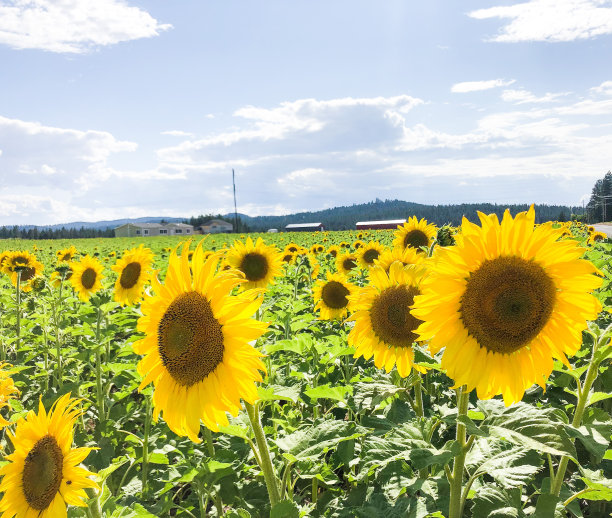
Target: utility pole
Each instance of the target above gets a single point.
(235, 208)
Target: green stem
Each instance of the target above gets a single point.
(99, 391)
(211, 453)
(264, 453)
(18, 299)
(418, 397)
(145, 447)
(94, 508)
(583, 397)
(455, 508)
(315, 490)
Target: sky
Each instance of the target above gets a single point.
(123, 108)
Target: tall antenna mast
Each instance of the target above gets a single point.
(235, 209)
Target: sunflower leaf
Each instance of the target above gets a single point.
(528, 427)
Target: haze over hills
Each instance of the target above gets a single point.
(342, 218)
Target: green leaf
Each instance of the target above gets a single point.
(595, 437)
(238, 513)
(103, 474)
(158, 458)
(595, 397)
(528, 427)
(235, 431)
(549, 506)
(599, 487)
(285, 509)
(370, 395)
(337, 393)
(493, 502)
(505, 463)
(315, 440)
(279, 393)
(300, 344)
(471, 427)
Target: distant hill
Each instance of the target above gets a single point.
(337, 218)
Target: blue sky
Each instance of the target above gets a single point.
(122, 108)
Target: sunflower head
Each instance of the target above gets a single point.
(331, 296)
(66, 255)
(384, 324)
(133, 272)
(43, 475)
(358, 244)
(415, 234)
(347, 263)
(369, 253)
(333, 251)
(292, 248)
(86, 276)
(597, 237)
(8, 391)
(258, 262)
(407, 257)
(22, 266)
(196, 346)
(505, 301)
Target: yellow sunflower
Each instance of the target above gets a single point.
(8, 390)
(384, 323)
(66, 255)
(407, 257)
(358, 244)
(289, 257)
(43, 475)
(505, 301)
(369, 253)
(58, 276)
(292, 248)
(333, 250)
(415, 234)
(134, 271)
(196, 349)
(346, 263)
(258, 262)
(331, 296)
(22, 265)
(86, 277)
(597, 237)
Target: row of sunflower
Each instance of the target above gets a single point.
(500, 304)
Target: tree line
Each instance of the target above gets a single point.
(599, 207)
(17, 232)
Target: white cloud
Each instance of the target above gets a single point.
(604, 88)
(522, 96)
(551, 20)
(177, 133)
(476, 86)
(73, 26)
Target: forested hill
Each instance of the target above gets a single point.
(344, 218)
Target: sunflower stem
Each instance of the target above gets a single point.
(455, 509)
(99, 391)
(583, 397)
(145, 447)
(418, 396)
(211, 453)
(264, 453)
(18, 300)
(94, 508)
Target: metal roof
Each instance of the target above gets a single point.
(382, 222)
(296, 225)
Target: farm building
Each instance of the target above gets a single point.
(215, 226)
(304, 227)
(153, 229)
(388, 223)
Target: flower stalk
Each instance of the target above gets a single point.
(456, 478)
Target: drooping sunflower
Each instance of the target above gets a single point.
(258, 262)
(289, 257)
(347, 263)
(384, 323)
(66, 255)
(331, 296)
(415, 234)
(407, 257)
(368, 253)
(86, 276)
(22, 265)
(43, 475)
(60, 275)
(333, 250)
(196, 349)
(134, 271)
(8, 390)
(505, 301)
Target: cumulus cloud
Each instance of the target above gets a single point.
(604, 88)
(550, 20)
(522, 96)
(476, 86)
(73, 26)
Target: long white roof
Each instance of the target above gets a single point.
(294, 225)
(382, 222)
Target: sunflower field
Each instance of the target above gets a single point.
(421, 372)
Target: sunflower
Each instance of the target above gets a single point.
(358, 244)
(196, 349)
(384, 324)
(415, 234)
(66, 255)
(369, 253)
(86, 277)
(43, 475)
(3, 258)
(333, 250)
(505, 301)
(317, 249)
(289, 257)
(331, 296)
(133, 271)
(60, 275)
(8, 390)
(407, 257)
(346, 263)
(292, 248)
(258, 262)
(22, 265)
(596, 237)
